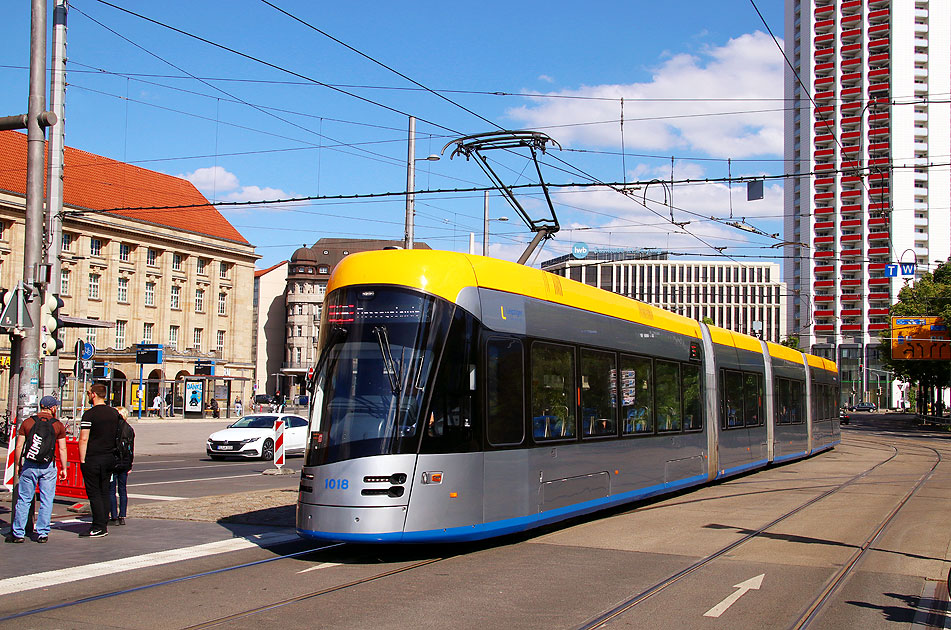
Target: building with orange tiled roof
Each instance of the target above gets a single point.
(144, 251)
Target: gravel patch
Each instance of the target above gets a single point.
(275, 508)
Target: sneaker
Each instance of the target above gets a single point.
(13, 539)
(113, 521)
(94, 533)
(121, 521)
(42, 539)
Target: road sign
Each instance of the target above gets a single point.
(88, 351)
(920, 338)
(148, 353)
(891, 271)
(907, 269)
(15, 315)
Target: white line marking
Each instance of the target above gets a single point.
(215, 465)
(743, 588)
(62, 576)
(155, 497)
(322, 565)
(162, 483)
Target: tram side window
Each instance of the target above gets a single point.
(669, 412)
(553, 400)
(637, 396)
(693, 398)
(799, 400)
(450, 426)
(753, 399)
(814, 401)
(732, 399)
(598, 393)
(505, 397)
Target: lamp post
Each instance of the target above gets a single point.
(485, 231)
(411, 182)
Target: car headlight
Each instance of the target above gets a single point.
(249, 440)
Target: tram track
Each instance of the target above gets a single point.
(219, 571)
(829, 589)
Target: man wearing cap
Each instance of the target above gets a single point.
(33, 475)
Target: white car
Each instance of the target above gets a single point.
(253, 436)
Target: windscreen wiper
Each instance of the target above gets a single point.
(390, 366)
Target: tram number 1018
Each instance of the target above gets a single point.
(336, 484)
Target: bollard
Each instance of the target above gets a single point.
(279, 451)
(11, 454)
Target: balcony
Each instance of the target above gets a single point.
(823, 240)
(851, 208)
(852, 282)
(851, 297)
(824, 26)
(847, 268)
(878, 281)
(824, 328)
(824, 52)
(824, 298)
(826, 181)
(878, 30)
(878, 43)
(824, 12)
(879, 296)
(827, 38)
(825, 254)
(878, 73)
(851, 48)
(876, 60)
(879, 251)
(825, 269)
(824, 284)
(825, 82)
(851, 327)
(877, 327)
(878, 311)
(823, 314)
(850, 238)
(852, 5)
(851, 253)
(824, 210)
(825, 225)
(850, 312)
(826, 196)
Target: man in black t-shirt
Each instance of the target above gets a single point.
(97, 442)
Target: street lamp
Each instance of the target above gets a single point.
(411, 160)
(485, 231)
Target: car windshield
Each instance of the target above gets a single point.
(378, 348)
(254, 422)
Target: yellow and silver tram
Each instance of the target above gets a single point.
(459, 397)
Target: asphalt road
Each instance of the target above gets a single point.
(564, 576)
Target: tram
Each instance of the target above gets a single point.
(458, 397)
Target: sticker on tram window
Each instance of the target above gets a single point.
(336, 484)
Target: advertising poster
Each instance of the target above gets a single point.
(193, 391)
(136, 398)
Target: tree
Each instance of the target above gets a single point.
(929, 296)
(792, 341)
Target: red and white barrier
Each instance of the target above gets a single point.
(11, 455)
(279, 443)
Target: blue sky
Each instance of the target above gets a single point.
(701, 82)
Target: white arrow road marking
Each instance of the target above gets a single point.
(751, 584)
(322, 565)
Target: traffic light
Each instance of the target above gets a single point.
(50, 343)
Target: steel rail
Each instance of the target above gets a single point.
(630, 603)
(184, 578)
(299, 598)
(832, 586)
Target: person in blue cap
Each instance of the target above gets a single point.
(39, 439)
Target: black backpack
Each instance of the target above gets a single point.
(40, 444)
(125, 446)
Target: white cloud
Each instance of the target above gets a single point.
(748, 67)
(225, 186)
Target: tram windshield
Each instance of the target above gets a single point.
(378, 347)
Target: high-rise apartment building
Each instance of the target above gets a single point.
(868, 141)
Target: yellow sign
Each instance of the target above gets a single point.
(136, 399)
(920, 338)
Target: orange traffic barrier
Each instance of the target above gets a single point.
(73, 487)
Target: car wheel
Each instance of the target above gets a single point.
(267, 450)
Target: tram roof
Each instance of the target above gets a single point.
(446, 274)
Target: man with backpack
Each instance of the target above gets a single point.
(38, 440)
(97, 456)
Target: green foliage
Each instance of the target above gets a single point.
(708, 321)
(929, 296)
(791, 342)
